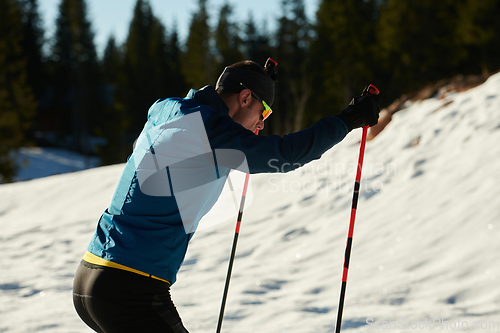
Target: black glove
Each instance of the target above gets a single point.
(362, 111)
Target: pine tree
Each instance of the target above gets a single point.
(256, 42)
(293, 88)
(17, 105)
(418, 43)
(113, 122)
(228, 43)
(111, 62)
(197, 60)
(32, 44)
(176, 83)
(145, 68)
(342, 54)
(76, 75)
(159, 56)
(478, 31)
(135, 88)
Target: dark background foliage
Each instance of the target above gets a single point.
(70, 98)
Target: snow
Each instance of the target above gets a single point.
(36, 162)
(425, 250)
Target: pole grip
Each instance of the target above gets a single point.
(371, 90)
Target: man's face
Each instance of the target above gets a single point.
(249, 113)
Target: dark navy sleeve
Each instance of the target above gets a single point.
(266, 154)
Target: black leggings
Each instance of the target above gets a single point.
(112, 300)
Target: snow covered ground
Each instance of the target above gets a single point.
(426, 246)
(36, 162)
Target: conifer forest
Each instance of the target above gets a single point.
(57, 91)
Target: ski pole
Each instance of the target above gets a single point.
(233, 250)
(370, 90)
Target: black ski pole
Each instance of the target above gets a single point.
(233, 250)
(370, 90)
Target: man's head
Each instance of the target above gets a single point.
(248, 91)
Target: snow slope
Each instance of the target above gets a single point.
(426, 242)
(36, 162)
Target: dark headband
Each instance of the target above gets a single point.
(260, 83)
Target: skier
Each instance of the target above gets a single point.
(123, 282)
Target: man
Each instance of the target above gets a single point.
(174, 177)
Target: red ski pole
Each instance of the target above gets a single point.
(370, 90)
(233, 250)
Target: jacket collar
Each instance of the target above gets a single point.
(207, 95)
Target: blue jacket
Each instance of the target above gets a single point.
(145, 231)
